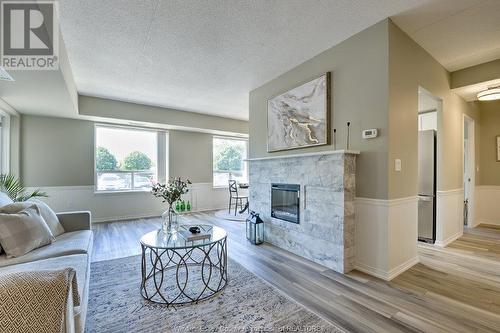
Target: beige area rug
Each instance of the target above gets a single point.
(248, 304)
(224, 214)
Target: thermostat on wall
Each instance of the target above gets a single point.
(370, 133)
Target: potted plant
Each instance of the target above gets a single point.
(15, 190)
(170, 193)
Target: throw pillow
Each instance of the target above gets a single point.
(50, 217)
(23, 232)
(47, 213)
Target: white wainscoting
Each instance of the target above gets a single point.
(487, 205)
(449, 216)
(386, 236)
(128, 205)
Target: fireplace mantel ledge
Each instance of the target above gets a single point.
(318, 153)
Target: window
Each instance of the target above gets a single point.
(129, 159)
(4, 142)
(228, 159)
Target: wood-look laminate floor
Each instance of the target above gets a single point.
(455, 289)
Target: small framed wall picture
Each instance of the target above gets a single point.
(498, 148)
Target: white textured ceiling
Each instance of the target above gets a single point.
(457, 33)
(204, 55)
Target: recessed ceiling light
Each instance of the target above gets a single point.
(489, 95)
(4, 76)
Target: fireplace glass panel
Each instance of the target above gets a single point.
(285, 202)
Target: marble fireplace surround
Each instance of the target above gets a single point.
(327, 182)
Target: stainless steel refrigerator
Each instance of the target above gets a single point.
(427, 186)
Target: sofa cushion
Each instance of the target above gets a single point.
(79, 262)
(24, 231)
(47, 213)
(76, 242)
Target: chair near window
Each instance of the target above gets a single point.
(233, 195)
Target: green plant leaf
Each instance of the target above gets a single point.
(13, 187)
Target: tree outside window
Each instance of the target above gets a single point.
(136, 160)
(105, 161)
(228, 161)
(126, 158)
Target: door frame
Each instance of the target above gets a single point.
(437, 162)
(471, 148)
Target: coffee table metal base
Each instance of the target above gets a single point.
(156, 262)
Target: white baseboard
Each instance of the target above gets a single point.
(477, 222)
(373, 271)
(450, 239)
(402, 267)
(386, 275)
(486, 221)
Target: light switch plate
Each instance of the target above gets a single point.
(397, 164)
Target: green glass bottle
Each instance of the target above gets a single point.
(188, 206)
(183, 206)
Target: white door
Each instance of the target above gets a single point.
(469, 168)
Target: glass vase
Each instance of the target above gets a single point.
(169, 223)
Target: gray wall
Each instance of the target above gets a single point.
(489, 170)
(191, 156)
(476, 74)
(410, 67)
(56, 151)
(60, 152)
(110, 109)
(360, 77)
(15, 145)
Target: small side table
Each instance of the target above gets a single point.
(162, 252)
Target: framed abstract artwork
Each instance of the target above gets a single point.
(300, 117)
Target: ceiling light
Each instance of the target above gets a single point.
(489, 95)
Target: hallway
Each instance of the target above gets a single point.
(464, 275)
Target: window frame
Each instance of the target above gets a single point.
(162, 155)
(5, 142)
(234, 138)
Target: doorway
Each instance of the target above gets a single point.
(469, 171)
(428, 107)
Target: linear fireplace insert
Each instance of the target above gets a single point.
(285, 202)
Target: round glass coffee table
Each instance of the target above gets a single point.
(177, 270)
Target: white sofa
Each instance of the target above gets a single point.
(71, 249)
